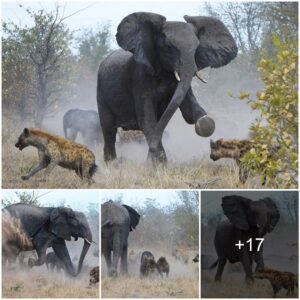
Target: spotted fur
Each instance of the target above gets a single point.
(94, 275)
(55, 150)
(234, 149)
(279, 280)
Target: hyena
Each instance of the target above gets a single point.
(55, 150)
(235, 149)
(279, 280)
(163, 266)
(14, 238)
(148, 265)
(94, 276)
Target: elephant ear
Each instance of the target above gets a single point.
(59, 222)
(235, 208)
(216, 44)
(273, 213)
(134, 217)
(136, 34)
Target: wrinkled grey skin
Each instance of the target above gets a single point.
(116, 223)
(137, 88)
(50, 227)
(85, 122)
(52, 262)
(247, 219)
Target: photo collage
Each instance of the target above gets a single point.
(149, 149)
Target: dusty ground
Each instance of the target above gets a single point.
(183, 281)
(39, 283)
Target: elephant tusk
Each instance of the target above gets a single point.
(88, 241)
(199, 76)
(176, 75)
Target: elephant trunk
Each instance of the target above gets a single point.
(87, 243)
(184, 79)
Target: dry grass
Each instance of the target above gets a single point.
(42, 284)
(133, 287)
(234, 286)
(121, 173)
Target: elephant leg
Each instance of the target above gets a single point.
(109, 130)
(107, 256)
(73, 134)
(259, 259)
(116, 250)
(61, 251)
(158, 155)
(247, 264)
(193, 113)
(221, 265)
(124, 266)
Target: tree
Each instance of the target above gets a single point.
(92, 46)
(275, 132)
(44, 62)
(31, 198)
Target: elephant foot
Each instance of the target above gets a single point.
(113, 273)
(205, 126)
(157, 158)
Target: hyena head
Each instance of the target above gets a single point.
(221, 148)
(24, 139)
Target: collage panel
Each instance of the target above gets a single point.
(149, 244)
(249, 244)
(50, 244)
(204, 101)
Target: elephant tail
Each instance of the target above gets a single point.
(214, 265)
(93, 169)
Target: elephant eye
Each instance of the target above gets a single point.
(75, 222)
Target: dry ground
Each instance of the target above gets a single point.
(133, 287)
(183, 281)
(122, 173)
(39, 283)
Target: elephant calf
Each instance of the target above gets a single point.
(52, 262)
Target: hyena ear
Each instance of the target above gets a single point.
(26, 132)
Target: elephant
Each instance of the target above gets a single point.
(52, 261)
(85, 122)
(51, 227)
(247, 219)
(140, 86)
(116, 223)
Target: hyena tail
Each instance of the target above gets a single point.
(93, 169)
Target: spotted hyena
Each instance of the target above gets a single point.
(55, 150)
(234, 149)
(94, 276)
(279, 280)
(148, 265)
(163, 266)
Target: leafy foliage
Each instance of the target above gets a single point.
(275, 132)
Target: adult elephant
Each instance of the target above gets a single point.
(248, 219)
(51, 227)
(85, 122)
(116, 223)
(141, 87)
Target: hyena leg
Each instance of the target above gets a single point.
(44, 162)
(85, 166)
(243, 173)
